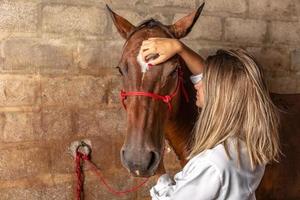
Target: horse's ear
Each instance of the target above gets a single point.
(123, 26)
(183, 26)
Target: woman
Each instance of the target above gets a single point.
(236, 134)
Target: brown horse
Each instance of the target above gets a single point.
(149, 122)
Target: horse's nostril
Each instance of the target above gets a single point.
(154, 157)
(122, 153)
(123, 159)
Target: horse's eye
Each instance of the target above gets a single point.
(120, 71)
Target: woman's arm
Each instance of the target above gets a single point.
(193, 60)
(168, 47)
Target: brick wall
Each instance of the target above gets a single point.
(58, 83)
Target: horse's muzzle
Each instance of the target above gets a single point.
(140, 162)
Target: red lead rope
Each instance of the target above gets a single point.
(80, 159)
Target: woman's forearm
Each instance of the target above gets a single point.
(193, 60)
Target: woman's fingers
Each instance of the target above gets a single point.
(153, 46)
(154, 38)
(147, 46)
(144, 48)
(158, 60)
(147, 53)
(148, 42)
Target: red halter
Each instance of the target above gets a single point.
(166, 99)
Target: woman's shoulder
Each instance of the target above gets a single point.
(200, 166)
(229, 161)
(206, 160)
(215, 157)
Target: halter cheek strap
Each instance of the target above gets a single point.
(166, 98)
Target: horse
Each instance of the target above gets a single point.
(158, 109)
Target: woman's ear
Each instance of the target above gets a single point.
(183, 26)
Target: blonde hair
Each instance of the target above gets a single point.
(237, 103)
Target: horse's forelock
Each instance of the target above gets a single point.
(149, 23)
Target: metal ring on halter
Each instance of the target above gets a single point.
(84, 148)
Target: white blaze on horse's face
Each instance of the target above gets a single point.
(142, 63)
(144, 66)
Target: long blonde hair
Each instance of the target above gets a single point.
(238, 104)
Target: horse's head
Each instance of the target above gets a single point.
(146, 116)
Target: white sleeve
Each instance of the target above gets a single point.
(199, 182)
(196, 78)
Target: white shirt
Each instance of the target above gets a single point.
(212, 175)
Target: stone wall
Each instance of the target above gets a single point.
(58, 83)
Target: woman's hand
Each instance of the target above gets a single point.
(168, 47)
(164, 47)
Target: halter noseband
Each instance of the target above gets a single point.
(166, 98)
